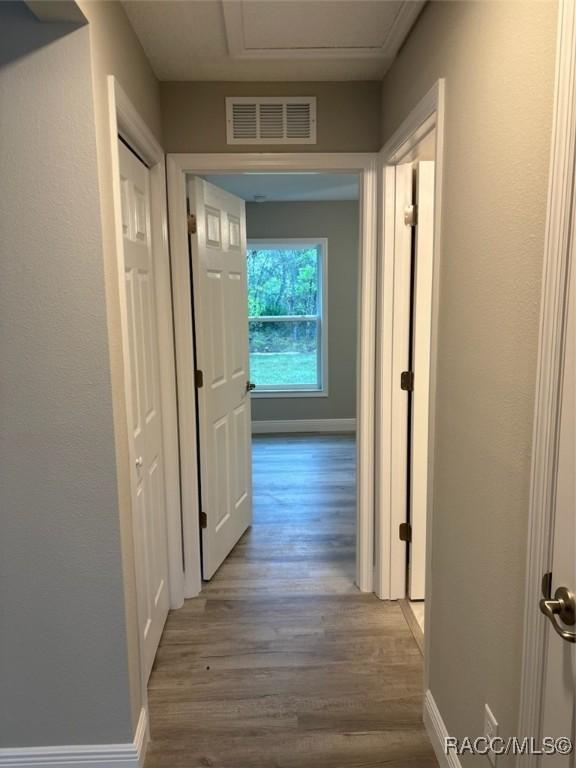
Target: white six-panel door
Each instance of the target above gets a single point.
(221, 330)
(149, 524)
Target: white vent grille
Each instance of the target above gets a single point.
(271, 120)
(245, 122)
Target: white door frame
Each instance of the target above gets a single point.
(181, 165)
(125, 121)
(559, 248)
(393, 331)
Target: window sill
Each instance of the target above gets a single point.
(288, 393)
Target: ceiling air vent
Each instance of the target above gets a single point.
(271, 120)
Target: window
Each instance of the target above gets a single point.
(287, 322)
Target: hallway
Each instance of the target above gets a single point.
(281, 661)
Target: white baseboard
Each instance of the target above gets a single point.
(141, 737)
(303, 425)
(128, 755)
(438, 733)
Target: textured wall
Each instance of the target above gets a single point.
(498, 61)
(115, 50)
(194, 115)
(63, 660)
(338, 221)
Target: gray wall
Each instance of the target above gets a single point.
(115, 50)
(63, 655)
(194, 115)
(338, 221)
(498, 60)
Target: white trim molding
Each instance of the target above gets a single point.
(438, 733)
(128, 755)
(286, 426)
(557, 247)
(287, 394)
(179, 167)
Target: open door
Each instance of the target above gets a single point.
(421, 335)
(218, 254)
(413, 270)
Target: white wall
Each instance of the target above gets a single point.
(63, 656)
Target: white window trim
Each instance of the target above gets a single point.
(302, 242)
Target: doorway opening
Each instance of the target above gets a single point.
(274, 261)
(273, 655)
(217, 219)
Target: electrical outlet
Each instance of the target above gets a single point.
(490, 731)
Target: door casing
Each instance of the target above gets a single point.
(179, 167)
(426, 118)
(559, 248)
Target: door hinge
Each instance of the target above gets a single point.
(192, 229)
(411, 215)
(405, 532)
(407, 381)
(203, 520)
(198, 378)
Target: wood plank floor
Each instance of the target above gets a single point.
(282, 663)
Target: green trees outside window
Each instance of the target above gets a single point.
(284, 305)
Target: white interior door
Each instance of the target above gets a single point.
(149, 524)
(413, 268)
(221, 329)
(399, 491)
(560, 676)
(421, 329)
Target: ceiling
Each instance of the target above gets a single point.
(289, 187)
(290, 40)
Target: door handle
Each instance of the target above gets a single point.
(250, 386)
(139, 462)
(564, 606)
